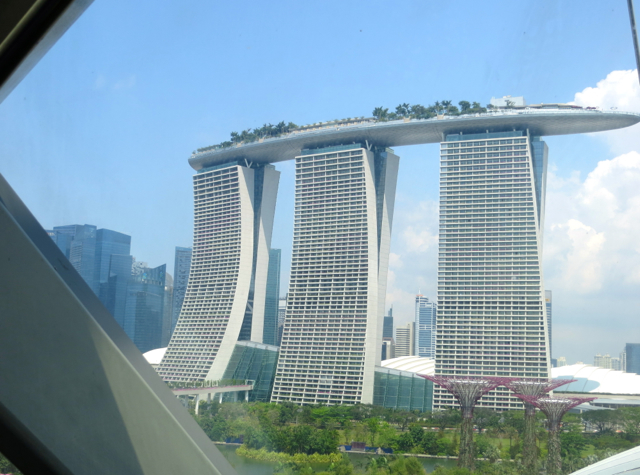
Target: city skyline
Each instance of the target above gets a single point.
(594, 178)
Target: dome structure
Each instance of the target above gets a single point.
(412, 364)
(154, 357)
(591, 379)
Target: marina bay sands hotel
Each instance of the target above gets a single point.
(491, 313)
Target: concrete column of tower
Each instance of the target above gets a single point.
(224, 301)
(332, 334)
(491, 313)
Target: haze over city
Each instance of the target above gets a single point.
(110, 127)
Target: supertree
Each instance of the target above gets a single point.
(534, 387)
(467, 390)
(554, 408)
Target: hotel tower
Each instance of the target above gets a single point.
(225, 297)
(491, 313)
(332, 335)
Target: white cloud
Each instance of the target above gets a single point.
(619, 90)
(581, 271)
(414, 256)
(395, 261)
(592, 234)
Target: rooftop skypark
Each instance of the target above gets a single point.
(380, 114)
(409, 125)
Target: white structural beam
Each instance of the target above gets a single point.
(77, 397)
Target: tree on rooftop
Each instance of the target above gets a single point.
(403, 109)
(464, 106)
(380, 113)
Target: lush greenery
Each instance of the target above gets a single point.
(303, 431)
(381, 114)
(8, 467)
(282, 457)
(418, 111)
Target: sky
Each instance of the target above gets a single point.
(101, 129)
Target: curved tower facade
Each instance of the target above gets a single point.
(332, 335)
(224, 302)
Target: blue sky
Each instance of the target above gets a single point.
(100, 131)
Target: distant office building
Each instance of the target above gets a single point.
(554, 363)
(167, 311)
(548, 302)
(562, 361)
(181, 269)
(602, 361)
(632, 355)
(616, 364)
(133, 293)
(425, 327)
(623, 361)
(388, 343)
(405, 340)
(115, 291)
(272, 299)
(387, 327)
(89, 251)
(282, 309)
(388, 349)
(144, 309)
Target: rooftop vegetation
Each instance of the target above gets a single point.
(380, 114)
(418, 111)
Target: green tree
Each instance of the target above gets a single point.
(630, 420)
(464, 106)
(404, 443)
(406, 466)
(380, 113)
(372, 427)
(603, 420)
(572, 443)
(429, 443)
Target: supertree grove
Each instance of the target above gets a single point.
(532, 387)
(554, 408)
(467, 390)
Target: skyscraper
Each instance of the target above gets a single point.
(144, 306)
(548, 300)
(272, 299)
(91, 250)
(332, 336)
(387, 329)
(225, 298)
(632, 358)
(181, 268)
(616, 364)
(167, 311)
(388, 343)
(425, 327)
(405, 340)
(491, 313)
(282, 310)
(602, 361)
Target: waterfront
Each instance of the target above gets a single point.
(246, 466)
